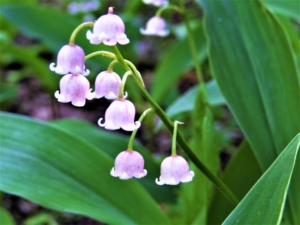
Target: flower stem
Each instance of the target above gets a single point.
(161, 9)
(174, 138)
(121, 90)
(77, 29)
(180, 141)
(103, 53)
(131, 140)
(193, 50)
(111, 65)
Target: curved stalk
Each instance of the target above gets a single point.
(77, 29)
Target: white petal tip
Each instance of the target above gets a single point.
(101, 124)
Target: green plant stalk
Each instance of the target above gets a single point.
(131, 140)
(193, 50)
(111, 65)
(180, 141)
(77, 29)
(121, 90)
(161, 9)
(174, 153)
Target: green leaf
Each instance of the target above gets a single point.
(112, 143)
(5, 217)
(186, 102)
(264, 203)
(206, 145)
(176, 60)
(56, 169)
(258, 78)
(240, 175)
(289, 8)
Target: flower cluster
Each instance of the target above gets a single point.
(75, 88)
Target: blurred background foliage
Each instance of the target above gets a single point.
(32, 32)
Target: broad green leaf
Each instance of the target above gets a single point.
(206, 145)
(240, 175)
(289, 8)
(252, 62)
(264, 203)
(40, 218)
(186, 102)
(5, 217)
(176, 60)
(58, 170)
(112, 143)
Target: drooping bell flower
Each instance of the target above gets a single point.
(108, 29)
(120, 114)
(74, 88)
(70, 59)
(129, 164)
(174, 169)
(156, 2)
(155, 26)
(107, 85)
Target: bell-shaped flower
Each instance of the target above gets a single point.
(70, 59)
(120, 114)
(174, 169)
(156, 2)
(74, 88)
(155, 26)
(129, 164)
(107, 85)
(108, 29)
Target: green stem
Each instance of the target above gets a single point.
(77, 29)
(111, 65)
(103, 53)
(180, 141)
(161, 9)
(121, 90)
(174, 138)
(131, 140)
(193, 50)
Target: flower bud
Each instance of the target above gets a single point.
(156, 2)
(70, 59)
(129, 164)
(107, 85)
(155, 26)
(120, 114)
(174, 169)
(74, 88)
(108, 29)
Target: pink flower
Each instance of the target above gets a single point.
(108, 29)
(107, 84)
(120, 114)
(156, 2)
(74, 88)
(129, 164)
(70, 59)
(174, 169)
(155, 26)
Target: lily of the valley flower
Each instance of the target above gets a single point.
(120, 114)
(174, 169)
(70, 59)
(129, 164)
(107, 85)
(155, 26)
(156, 2)
(74, 88)
(108, 29)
